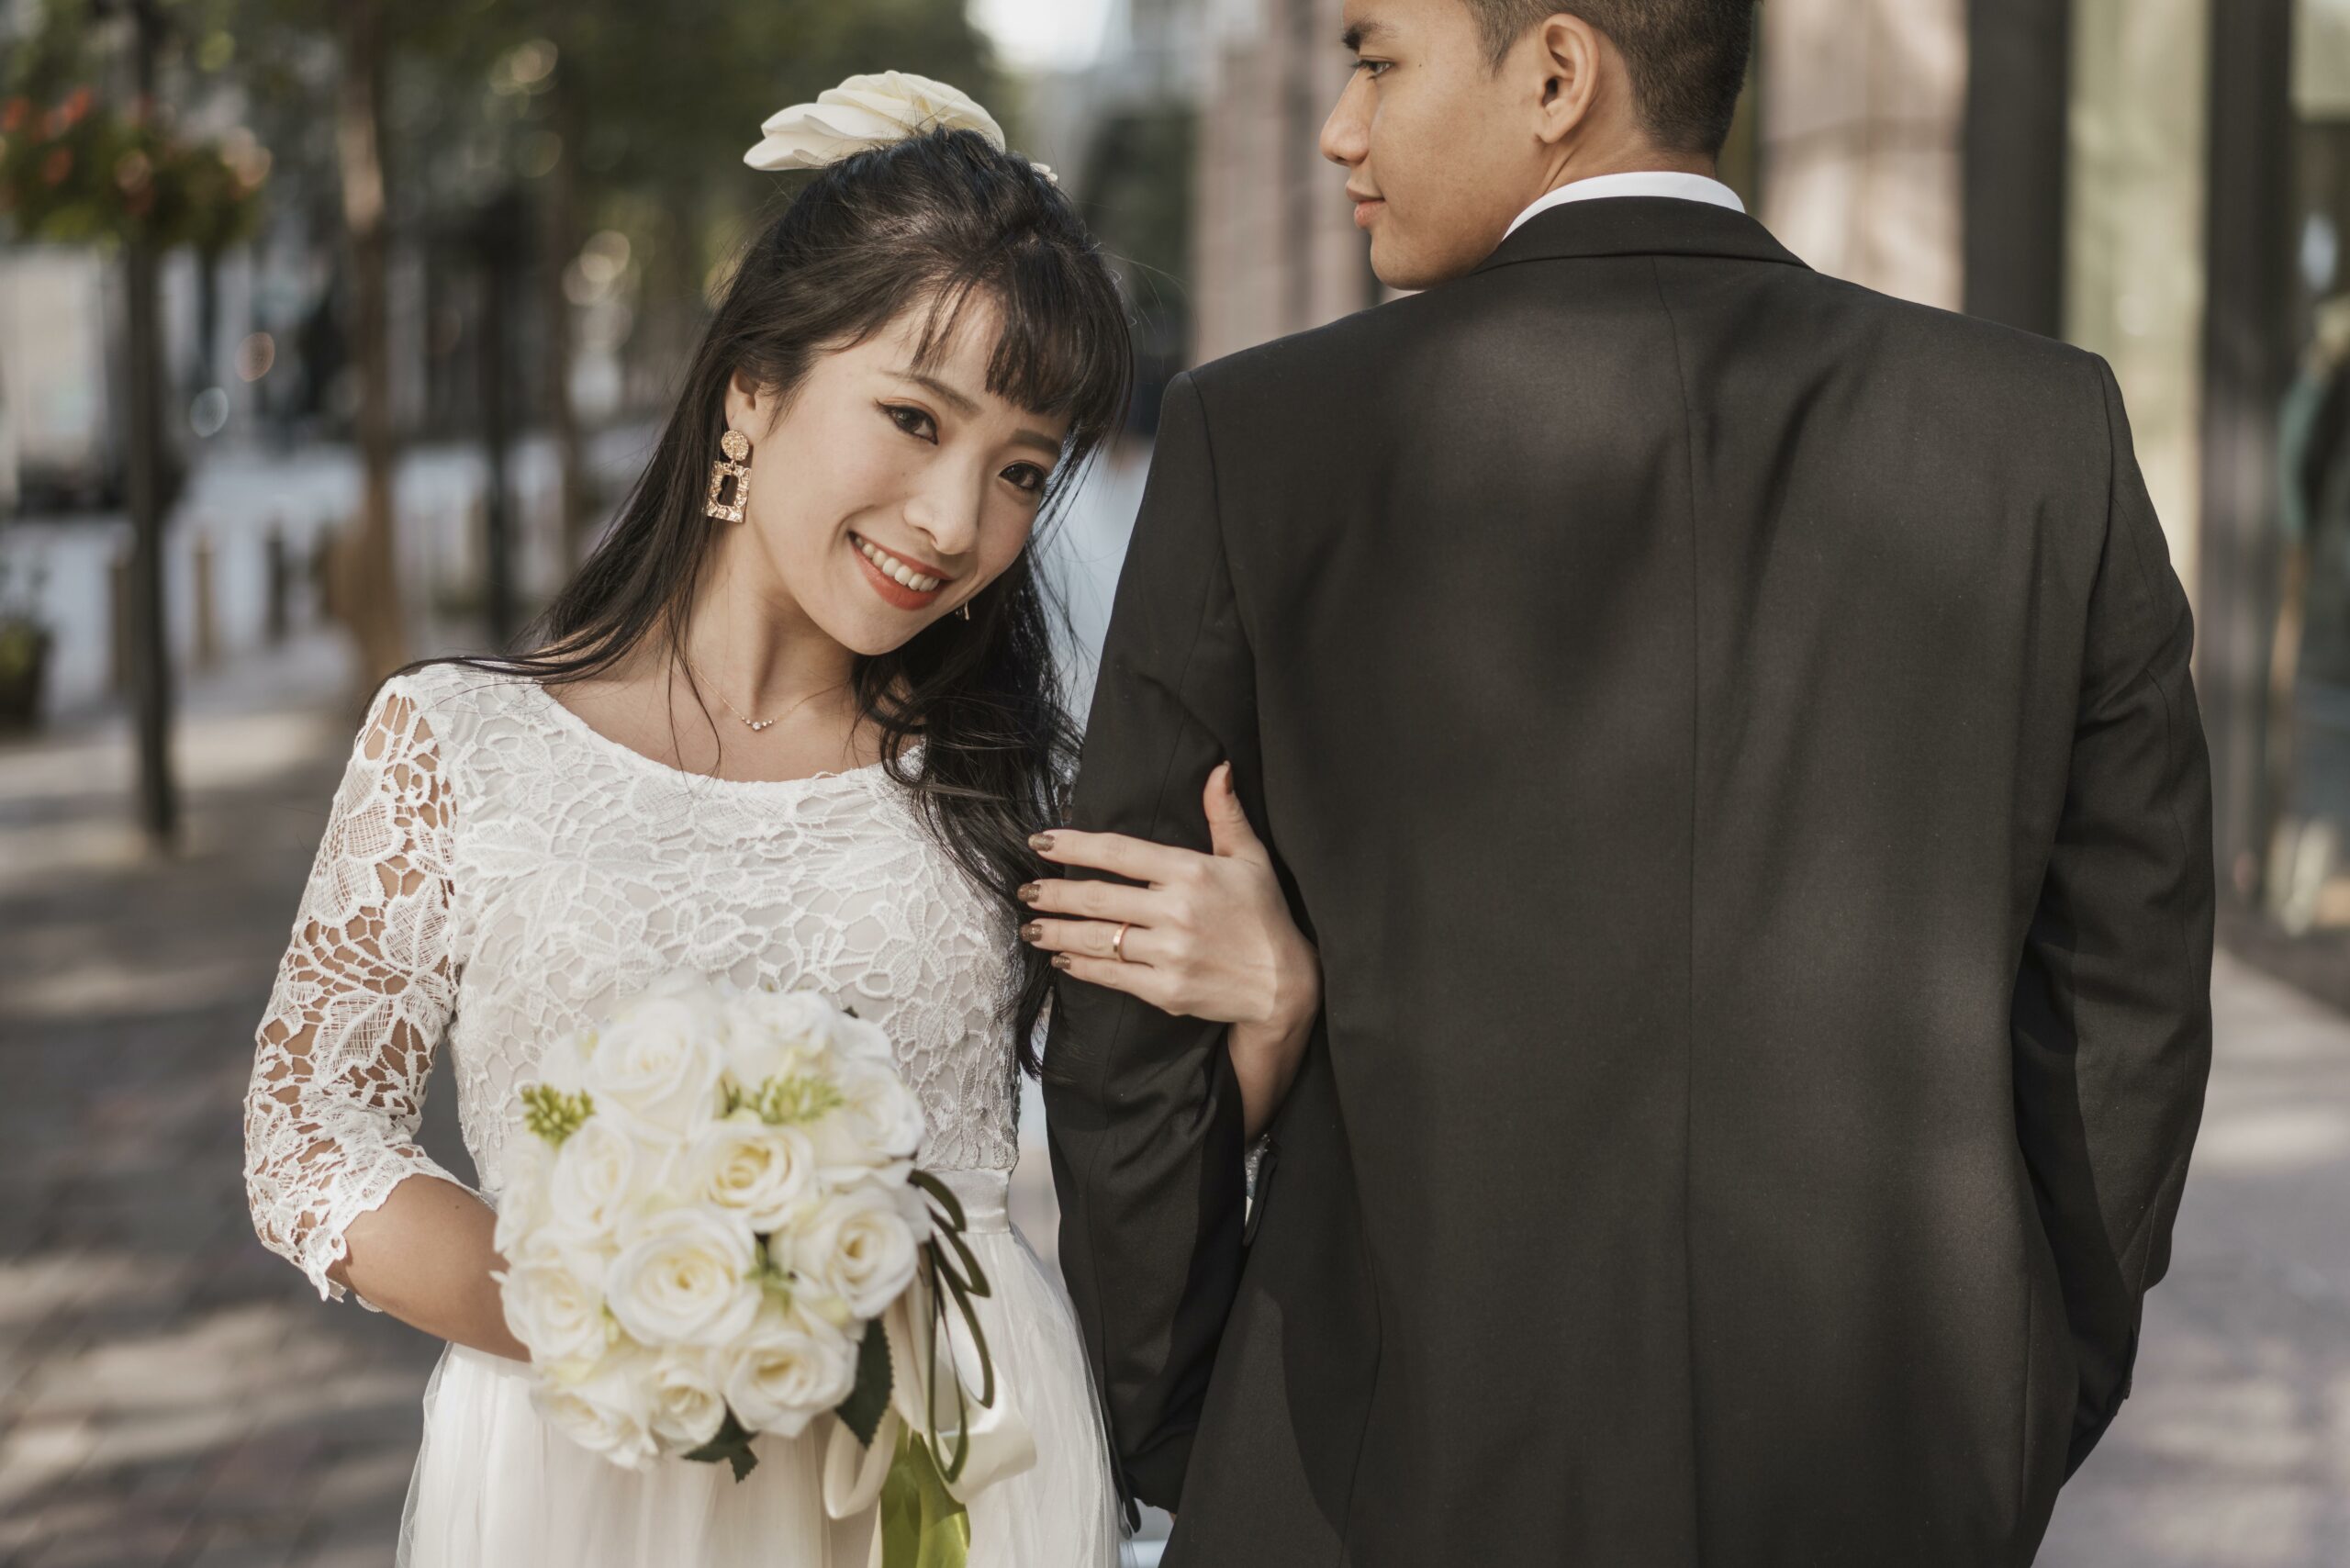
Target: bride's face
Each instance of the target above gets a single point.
(884, 494)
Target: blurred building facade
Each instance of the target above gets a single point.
(2163, 181)
(1275, 246)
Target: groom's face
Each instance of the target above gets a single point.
(1441, 148)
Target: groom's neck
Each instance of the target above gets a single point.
(1631, 157)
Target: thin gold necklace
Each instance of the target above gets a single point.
(755, 725)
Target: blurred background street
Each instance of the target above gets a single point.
(330, 337)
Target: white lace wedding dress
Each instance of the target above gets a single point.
(495, 874)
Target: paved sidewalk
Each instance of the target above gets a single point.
(172, 1395)
(2233, 1451)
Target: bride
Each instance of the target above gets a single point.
(833, 542)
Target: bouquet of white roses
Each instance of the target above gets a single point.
(714, 1229)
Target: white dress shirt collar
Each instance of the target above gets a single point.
(1646, 182)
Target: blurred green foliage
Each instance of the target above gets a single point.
(644, 110)
(77, 167)
(641, 110)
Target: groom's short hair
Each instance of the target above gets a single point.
(1687, 57)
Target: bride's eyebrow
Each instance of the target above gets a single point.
(962, 403)
(968, 407)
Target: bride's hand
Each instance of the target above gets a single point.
(1206, 936)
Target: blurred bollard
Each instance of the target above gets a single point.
(276, 613)
(208, 623)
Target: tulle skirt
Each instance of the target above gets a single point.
(496, 1487)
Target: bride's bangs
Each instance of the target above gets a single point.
(1062, 347)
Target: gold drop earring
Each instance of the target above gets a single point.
(737, 446)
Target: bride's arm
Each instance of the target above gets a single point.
(1207, 936)
(336, 1180)
(425, 1258)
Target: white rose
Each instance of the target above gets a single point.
(764, 1174)
(854, 1244)
(776, 1034)
(684, 1277)
(553, 1302)
(686, 1396)
(866, 112)
(659, 1060)
(521, 1196)
(788, 1370)
(593, 1182)
(605, 1409)
(564, 1064)
(863, 1039)
(881, 1113)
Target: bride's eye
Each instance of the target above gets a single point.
(1026, 476)
(912, 421)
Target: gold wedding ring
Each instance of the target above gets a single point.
(1118, 943)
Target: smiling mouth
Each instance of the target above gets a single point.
(898, 580)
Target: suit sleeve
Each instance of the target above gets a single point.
(1143, 1110)
(2112, 1021)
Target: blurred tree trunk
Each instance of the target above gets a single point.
(150, 494)
(560, 211)
(367, 593)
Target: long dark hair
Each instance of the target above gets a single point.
(925, 224)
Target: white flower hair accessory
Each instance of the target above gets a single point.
(866, 112)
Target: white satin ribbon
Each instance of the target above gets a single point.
(1000, 1444)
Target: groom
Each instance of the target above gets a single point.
(1729, 735)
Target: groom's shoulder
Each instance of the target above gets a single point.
(1793, 317)
(1945, 341)
(1331, 355)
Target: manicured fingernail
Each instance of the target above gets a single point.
(1060, 961)
(1031, 931)
(1031, 891)
(1040, 842)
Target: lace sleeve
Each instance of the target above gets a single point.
(363, 994)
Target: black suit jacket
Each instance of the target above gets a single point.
(1729, 735)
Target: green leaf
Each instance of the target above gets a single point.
(732, 1444)
(861, 1412)
(942, 1194)
(920, 1523)
(956, 1290)
(974, 1277)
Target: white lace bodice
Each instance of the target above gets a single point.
(495, 874)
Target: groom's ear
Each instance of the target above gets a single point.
(1567, 52)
